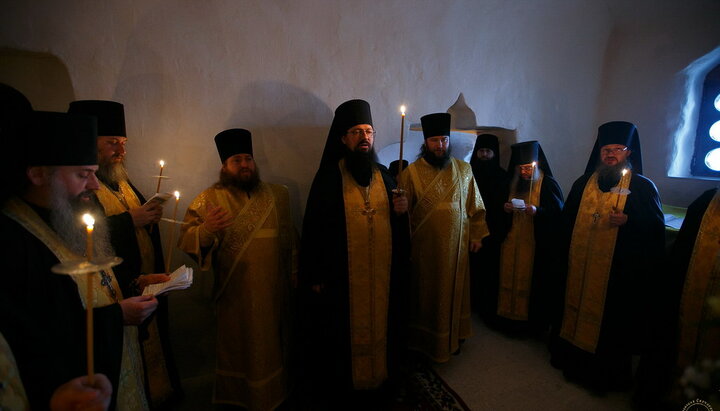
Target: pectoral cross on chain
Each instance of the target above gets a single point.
(595, 217)
(369, 212)
(106, 281)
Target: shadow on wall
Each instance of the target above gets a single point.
(289, 127)
(43, 78)
(463, 135)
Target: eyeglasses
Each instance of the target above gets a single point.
(613, 150)
(358, 132)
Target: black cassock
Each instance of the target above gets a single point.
(323, 260)
(546, 280)
(630, 299)
(43, 320)
(657, 370)
(125, 244)
(492, 181)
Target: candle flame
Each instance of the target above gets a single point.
(534, 164)
(624, 171)
(88, 220)
(162, 164)
(177, 195)
(402, 110)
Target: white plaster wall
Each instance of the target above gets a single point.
(187, 70)
(650, 46)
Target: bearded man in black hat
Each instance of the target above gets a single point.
(529, 259)
(613, 234)
(448, 221)
(242, 228)
(42, 314)
(129, 217)
(492, 181)
(353, 255)
(136, 239)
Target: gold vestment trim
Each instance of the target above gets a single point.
(698, 336)
(118, 202)
(246, 225)
(131, 392)
(517, 257)
(590, 258)
(367, 221)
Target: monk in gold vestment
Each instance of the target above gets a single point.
(241, 227)
(135, 237)
(529, 266)
(613, 234)
(353, 256)
(42, 314)
(448, 220)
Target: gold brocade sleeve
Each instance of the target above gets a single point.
(194, 238)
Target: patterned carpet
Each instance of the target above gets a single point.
(432, 393)
(422, 390)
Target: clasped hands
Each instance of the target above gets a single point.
(216, 219)
(529, 209)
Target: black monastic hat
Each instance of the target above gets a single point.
(525, 153)
(233, 141)
(12, 103)
(395, 167)
(617, 132)
(110, 115)
(62, 139)
(486, 141)
(347, 115)
(15, 114)
(436, 124)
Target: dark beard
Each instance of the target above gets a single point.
(361, 165)
(609, 176)
(112, 174)
(433, 160)
(66, 221)
(247, 185)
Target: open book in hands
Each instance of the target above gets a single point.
(181, 279)
(159, 198)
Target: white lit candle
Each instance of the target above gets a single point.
(402, 135)
(532, 177)
(172, 233)
(162, 165)
(617, 200)
(89, 225)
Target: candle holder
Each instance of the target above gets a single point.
(89, 268)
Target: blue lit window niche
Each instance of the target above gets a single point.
(706, 156)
